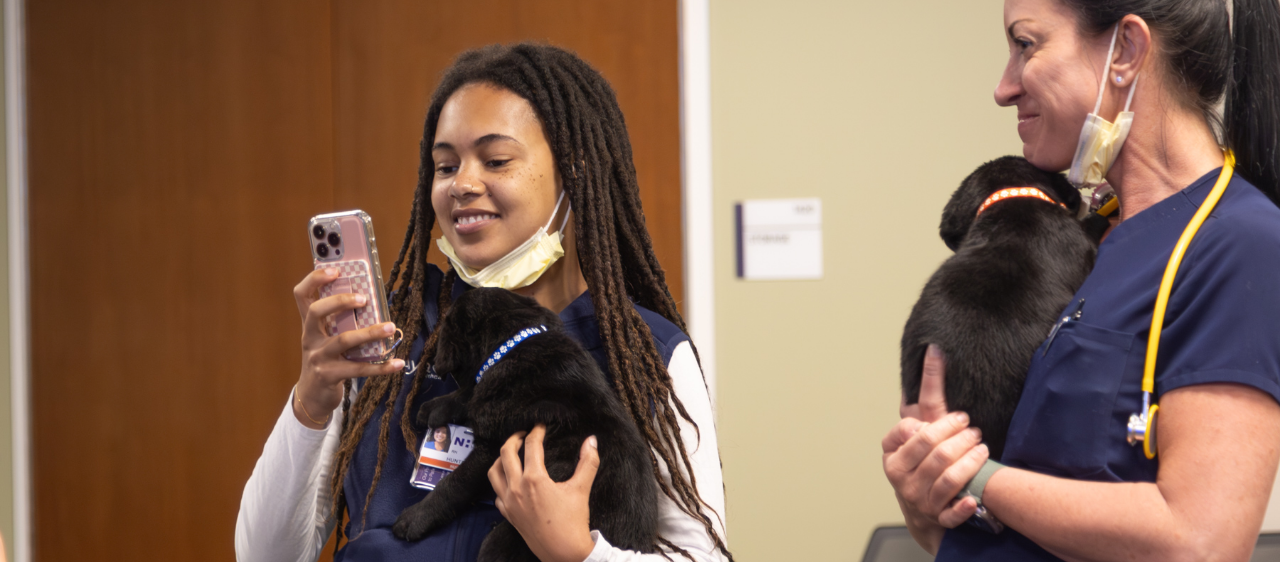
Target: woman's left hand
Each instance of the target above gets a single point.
(552, 517)
(929, 456)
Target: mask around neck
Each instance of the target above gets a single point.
(1101, 140)
(521, 266)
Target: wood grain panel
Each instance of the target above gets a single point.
(176, 151)
(389, 55)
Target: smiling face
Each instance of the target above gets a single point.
(495, 181)
(1052, 77)
(441, 435)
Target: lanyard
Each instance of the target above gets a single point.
(1141, 427)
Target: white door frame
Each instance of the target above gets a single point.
(15, 108)
(695, 159)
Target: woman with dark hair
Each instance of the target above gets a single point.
(526, 168)
(439, 439)
(1194, 360)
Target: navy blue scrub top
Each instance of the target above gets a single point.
(459, 540)
(1222, 324)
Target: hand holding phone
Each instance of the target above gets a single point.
(324, 369)
(345, 241)
(345, 329)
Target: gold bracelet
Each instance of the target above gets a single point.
(298, 399)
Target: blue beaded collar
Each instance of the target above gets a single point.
(508, 346)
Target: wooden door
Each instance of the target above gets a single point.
(176, 151)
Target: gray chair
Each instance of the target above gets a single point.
(894, 544)
(1268, 549)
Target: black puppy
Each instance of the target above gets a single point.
(545, 378)
(1015, 268)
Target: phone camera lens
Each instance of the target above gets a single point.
(318, 231)
(334, 239)
(322, 250)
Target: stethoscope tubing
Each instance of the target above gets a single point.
(1148, 416)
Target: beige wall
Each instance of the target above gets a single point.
(880, 109)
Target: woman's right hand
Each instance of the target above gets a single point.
(929, 456)
(319, 389)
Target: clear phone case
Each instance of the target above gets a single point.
(345, 241)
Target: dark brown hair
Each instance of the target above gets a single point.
(1205, 58)
(588, 137)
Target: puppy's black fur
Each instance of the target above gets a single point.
(990, 305)
(549, 379)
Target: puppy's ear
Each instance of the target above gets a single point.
(457, 328)
(960, 211)
(955, 224)
(1064, 191)
(461, 315)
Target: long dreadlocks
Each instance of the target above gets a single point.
(588, 137)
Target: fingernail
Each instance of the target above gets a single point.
(976, 433)
(934, 351)
(963, 418)
(330, 271)
(592, 441)
(397, 364)
(986, 451)
(389, 328)
(359, 299)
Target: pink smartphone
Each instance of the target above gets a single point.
(345, 241)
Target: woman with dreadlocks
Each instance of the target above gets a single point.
(518, 141)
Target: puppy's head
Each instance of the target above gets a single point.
(1007, 171)
(480, 321)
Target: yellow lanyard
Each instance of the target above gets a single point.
(1148, 418)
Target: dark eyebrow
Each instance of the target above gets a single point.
(494, 137)
(487, 139)
(1010, 29)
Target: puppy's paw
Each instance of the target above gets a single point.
(424, 415)
(413, 524)
(440, 417)
(438, 411)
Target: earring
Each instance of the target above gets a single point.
(1119, 80)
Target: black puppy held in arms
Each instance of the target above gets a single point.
(546, 378)
(988, 307)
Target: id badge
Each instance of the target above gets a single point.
(443, 449)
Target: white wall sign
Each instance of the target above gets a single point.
(779, 239)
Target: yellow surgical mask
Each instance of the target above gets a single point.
(521, 266)
(1101, 140)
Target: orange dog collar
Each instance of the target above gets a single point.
(1012, 192)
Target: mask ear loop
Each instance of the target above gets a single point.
(554, 211)
(1132, 88)
(563, 221)
(1103, 85)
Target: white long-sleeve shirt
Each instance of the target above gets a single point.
(285, 509)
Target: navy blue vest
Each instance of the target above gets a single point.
(460, 540)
